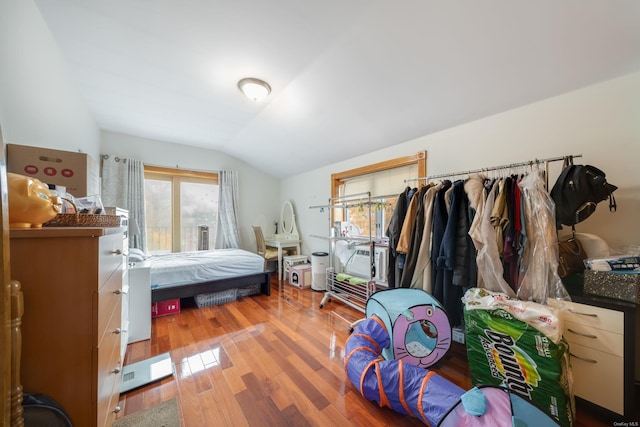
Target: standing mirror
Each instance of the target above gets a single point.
(288, 219)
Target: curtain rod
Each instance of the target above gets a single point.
(491, 168)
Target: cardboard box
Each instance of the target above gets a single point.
(78, 172)
(163, 308)
(613, 284)
(300, 276)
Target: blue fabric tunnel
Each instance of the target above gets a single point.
(424, 394)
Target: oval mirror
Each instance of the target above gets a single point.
(287, 218)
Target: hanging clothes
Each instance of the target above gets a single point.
(488, 258)
(440, 216)
(540, 279)
(404, 240)
(451, 294)
(488, 233)
(465, 271)
(499, 218)
(422, 273)
(416, 238)
(510, 258)
(393, 234)
(477, 194)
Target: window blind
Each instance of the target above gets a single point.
(383, 183)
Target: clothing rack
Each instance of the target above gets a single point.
(354, 201)
(491, 168)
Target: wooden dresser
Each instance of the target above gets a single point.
(72, 282)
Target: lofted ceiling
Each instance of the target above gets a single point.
(347, 77)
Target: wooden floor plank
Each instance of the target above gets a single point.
(288, 394)
(260, 412)
(271, 361)
(227, 411)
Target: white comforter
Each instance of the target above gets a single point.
(202, 266)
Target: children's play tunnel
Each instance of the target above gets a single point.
(424, 394)
(416, 322)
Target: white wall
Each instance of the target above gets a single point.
(601, 122)
(40, 106)
(38, 103)
(259, 193)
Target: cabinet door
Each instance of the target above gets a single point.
(598, 377)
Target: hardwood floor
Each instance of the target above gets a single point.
(271, 361)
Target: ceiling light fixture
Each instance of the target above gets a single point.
(254, 89)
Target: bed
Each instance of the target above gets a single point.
(187, 274)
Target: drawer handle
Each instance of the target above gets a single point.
(583, 314)
(117, 409)
(117, 252)
(117, 331)
(583, 358)
(116, 370)
(117, 291)
(581, 334)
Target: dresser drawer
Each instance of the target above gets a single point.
(598, 339)
(109, 390)
(595, 317)
(598, 377)
(109, 300)
(109, 367)
(110, 341)
(110, 257)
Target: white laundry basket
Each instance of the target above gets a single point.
(319, 264)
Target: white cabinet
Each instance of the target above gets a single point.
(139, 301)
(601, 340)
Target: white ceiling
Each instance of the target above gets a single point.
(348, 77)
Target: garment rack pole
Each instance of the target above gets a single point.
(508, 166)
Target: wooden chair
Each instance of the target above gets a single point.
(266, 252)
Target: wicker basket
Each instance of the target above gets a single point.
(83, 220)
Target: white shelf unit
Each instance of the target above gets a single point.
(344, 290)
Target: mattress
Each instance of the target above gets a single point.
(182, 268)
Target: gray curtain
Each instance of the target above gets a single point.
(228, 209)
(123, 187)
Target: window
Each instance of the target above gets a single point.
(181, 209)
(385, 182)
